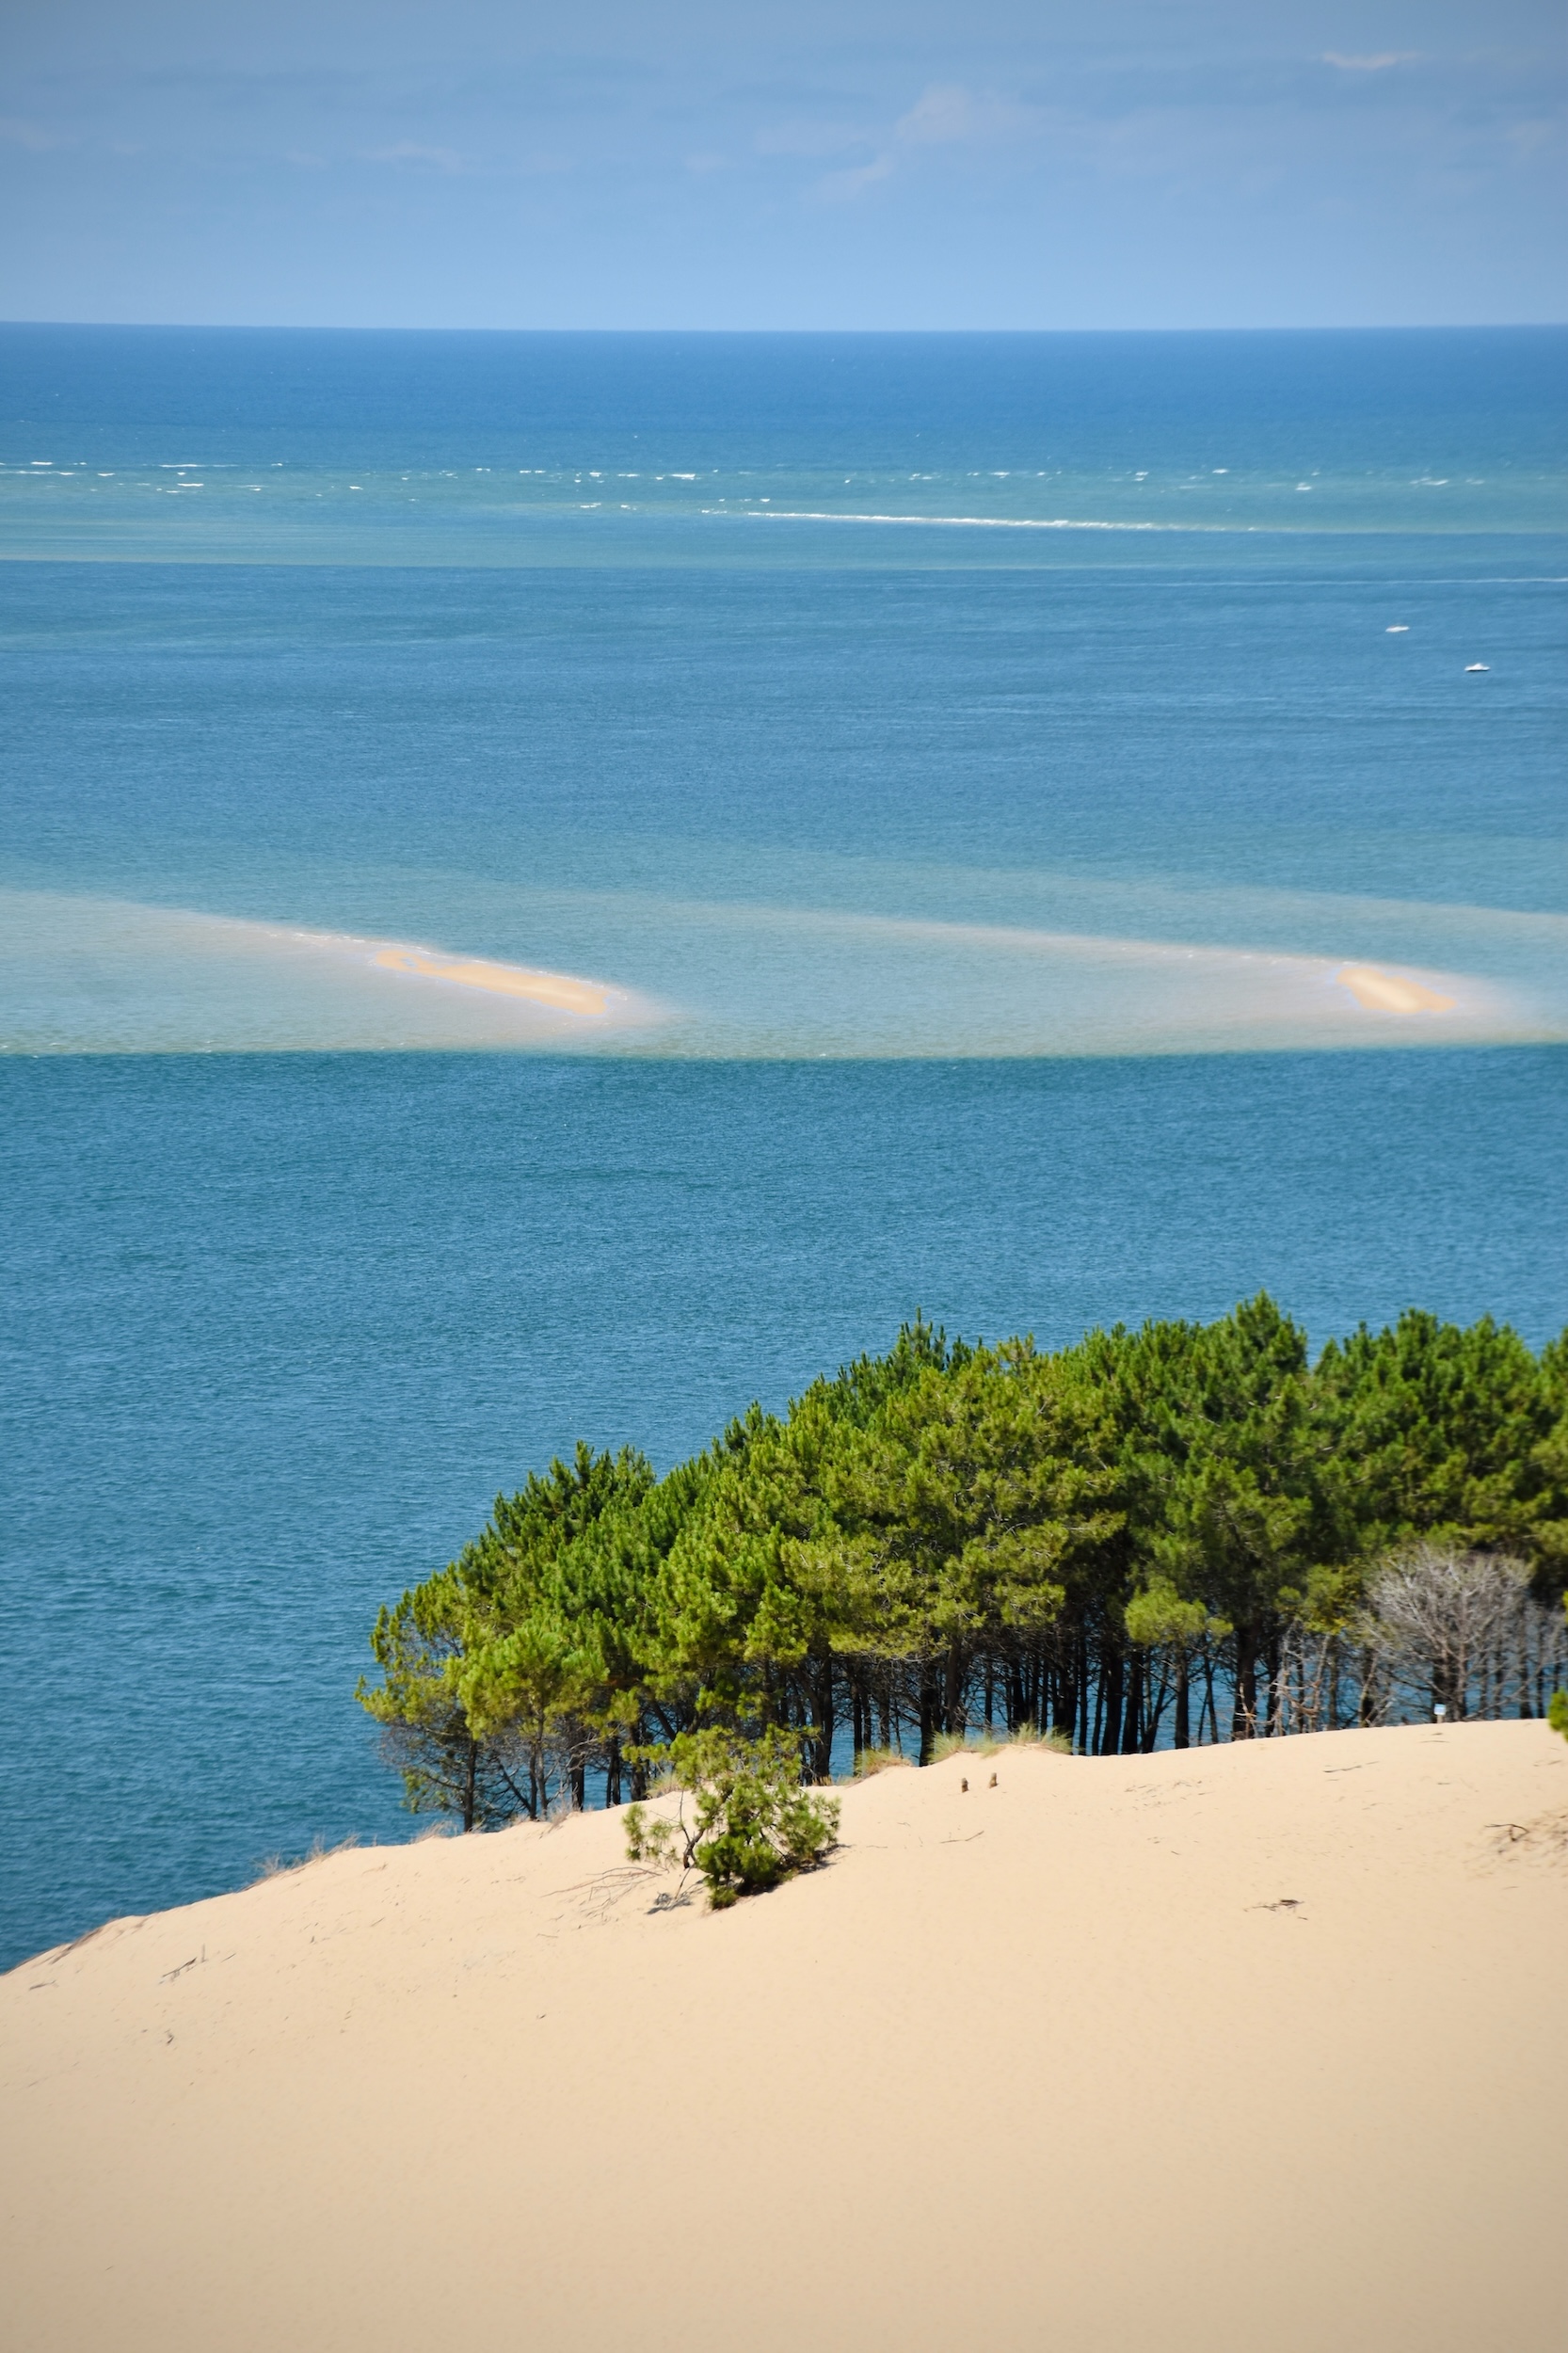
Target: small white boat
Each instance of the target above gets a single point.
(1470, 667)
(1398, 629)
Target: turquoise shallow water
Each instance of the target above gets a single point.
(985, 888)
(514, 449)
(730, 790)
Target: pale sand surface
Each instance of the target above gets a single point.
(85, 975)
(108, 975)
(1045, 2065)
(500, 979)
(1390, 992)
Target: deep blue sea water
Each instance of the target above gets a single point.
(987, 874)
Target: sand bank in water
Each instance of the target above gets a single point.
(81, 974)
(111, 975)
(1390, 992)
(587, 999)
(1242, 2044)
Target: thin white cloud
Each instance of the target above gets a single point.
(16, 132)
(947, 114)
(411, 151)
(1528, 138)
(944, 113)
(842, 187)
(1369, 65)
(811, 138)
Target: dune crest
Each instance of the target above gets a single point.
(1116, 2049)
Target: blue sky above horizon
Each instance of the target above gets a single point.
(1148, 163)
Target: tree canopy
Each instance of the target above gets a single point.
(1163, 1533)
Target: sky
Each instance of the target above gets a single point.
(874, 164)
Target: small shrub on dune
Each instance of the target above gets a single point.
(871, 1761)
(752, 1824)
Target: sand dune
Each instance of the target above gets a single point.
(1260, 2044)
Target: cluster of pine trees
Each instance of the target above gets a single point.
(1163, 1534)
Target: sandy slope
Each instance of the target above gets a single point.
(1262, 2045)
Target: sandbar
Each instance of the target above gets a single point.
(1390, 992)
(499, 980)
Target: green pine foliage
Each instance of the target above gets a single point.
(1167, 1532)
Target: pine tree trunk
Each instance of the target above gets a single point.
(1182, 1734)
(827, 1714)
(1154, 1709)
(953, 1690)
(1066, 1719)
(1110, 1686)
(930, 1702)
(1243, 1713)
(1132, 1724)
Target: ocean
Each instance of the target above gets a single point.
(553, 885)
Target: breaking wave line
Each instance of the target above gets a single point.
(964, 522)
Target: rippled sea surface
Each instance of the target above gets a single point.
(1049, 830)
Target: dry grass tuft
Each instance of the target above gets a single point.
(989, 1743)
(947, 1744)
(871, 1761)
(1031, 1736)
(276, 1866)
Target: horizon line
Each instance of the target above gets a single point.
(287, 326)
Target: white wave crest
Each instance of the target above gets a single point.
(952, 523)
